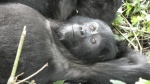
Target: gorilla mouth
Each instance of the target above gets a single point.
(65, 35)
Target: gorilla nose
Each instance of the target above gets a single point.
(80, 32)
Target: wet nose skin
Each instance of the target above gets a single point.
(79, 31)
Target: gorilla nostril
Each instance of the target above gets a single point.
(81, 32)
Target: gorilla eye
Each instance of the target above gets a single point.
(92, 28)
(93, 40)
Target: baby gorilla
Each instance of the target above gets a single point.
(89, 40)
(42, 45)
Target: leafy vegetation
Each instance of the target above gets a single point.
(116, 82)
(59, 82)
(133, 23)
(142, 81)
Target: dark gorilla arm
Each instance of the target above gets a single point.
(129, 67)
(54, 9)
(98, 9)
(62, 9)
(42, 46)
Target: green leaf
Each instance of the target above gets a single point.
(119, 20)
(147, 25)
(135, 19)
(148, 29)
(129, 7)
(119, 38)
(59, 82)
(116, 82)
(149, 54)
(143, 81)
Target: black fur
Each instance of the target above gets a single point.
(55, 9)
(62, 9)
(42, 46)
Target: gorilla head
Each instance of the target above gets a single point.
(90, 40)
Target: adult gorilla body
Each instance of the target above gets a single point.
(62, 9)
(42, 46)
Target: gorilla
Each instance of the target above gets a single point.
(62, 9)
(42, 45)
(88, 39)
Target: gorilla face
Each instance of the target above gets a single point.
(88, 41)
